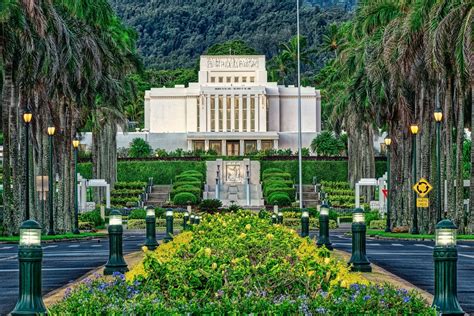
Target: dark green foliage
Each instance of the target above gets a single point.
(279, 198)
(92, 217)
(327, 144)
(137, 214)
(276, 175)
(234, 208)
(185, 198)
(197, 176)
(186, 178)
(135, 185)
(172, 34)
(139, 148)
(210, 206)
(271, 170)
(186, 188)
(288, 190)
(323, 170)
(236, 47)
(196, 184)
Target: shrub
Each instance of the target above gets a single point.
(279, 198)
(190, 173)
(138, 213)
(139, 148)
(187, 178)
(210, 205)
(92, 217)
(327, 144)
(196, 184)
(280, 175)
(234, 208)
(289, 191)
(186, 188)
(370, 216)
(136, 185)
(185, 198)
(378, 224)
(271, 170)
(87, 226)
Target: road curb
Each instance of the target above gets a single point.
(56, 240)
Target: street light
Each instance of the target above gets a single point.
(438, 115)
(185, 220)
(388, 143)
(192, 219)
(75, 145)
(414, 131)
(27, 118)
(51, 131)
(169, 225)
(116, 262)
(280, 218)
(150, 242)
(30, 255)
(274, 219)
(445, 256)
(324, 227)
(359, 260)
(305, 223)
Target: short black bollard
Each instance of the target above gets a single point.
(304, 223)
(116, 262)
(169, 225)
(185, 220)
(323, 239)
(197, 220)
(151, 242)
(280, 218)
(30, 256)
(359, 260)
(445, 256)
(274, 219)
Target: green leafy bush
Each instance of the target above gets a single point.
(127, 192)
(210, 206)
(187, 178)
(327, 144)
(92, 217)
(274, 176)
(138, 213)
(279, 198)
(289, 191)
(191, 173)
(136, 185)
(271, 170)
(377, 224)
(185, 198)
(119, 202)
(371, 216)
(196, 184)
(139, 148)
(186, 188)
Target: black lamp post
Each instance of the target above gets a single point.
(324, 228)
(185, 220)
(197, 220)
(30, 256)
(116, 262)
(359, 260)
(151, 242)
(305, 223)
(414, 229)
(445, 259)
(51, 131)
(169, 225)
(75, 145)
(388, 143)
(274, 219)
(27, 117)
(192, 219)
(438, 115)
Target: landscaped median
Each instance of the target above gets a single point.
(239, 264)
(15, 239)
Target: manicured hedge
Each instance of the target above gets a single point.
(184, 198)
(279, 198)
(163, 172)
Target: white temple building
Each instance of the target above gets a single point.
(233, 110)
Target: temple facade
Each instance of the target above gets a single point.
(233, 110)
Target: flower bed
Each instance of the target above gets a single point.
(238, 264)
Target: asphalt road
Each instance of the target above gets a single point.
(413, 261)
(63, 262)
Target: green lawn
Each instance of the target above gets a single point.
(56, 237)
(381, 233)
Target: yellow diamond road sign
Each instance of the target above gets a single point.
(422, 187)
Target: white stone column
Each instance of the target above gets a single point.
(208, 113)
(190, 144)
(257, 112)
(248, 113)
(275, 144)
(206, 144)
(232, 113)
(224, 113)
(259, 144)
(242, 144)
(216, 114)
(224, 147)
(241, 128)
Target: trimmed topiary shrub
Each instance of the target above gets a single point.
(279, 198)
(185, 198)
(137, 214)
(289, 191)
(279, 175)
(271, 170)
(187, 178)
(186, 188)
(196, 184)
(92, 217)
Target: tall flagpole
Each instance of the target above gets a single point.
(300, 141)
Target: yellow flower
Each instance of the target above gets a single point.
(145, 249)
(214, 266)
(311, 273)
(344, 284)
(208, 251)
(269, 236)
(243, 235)
(248, 226)
(327, 260)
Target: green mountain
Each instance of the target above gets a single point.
(173, 33)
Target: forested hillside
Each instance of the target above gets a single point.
(173, 33)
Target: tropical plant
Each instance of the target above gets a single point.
(139, 148)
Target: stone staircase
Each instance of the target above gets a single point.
(310, 198)
(159, 195)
